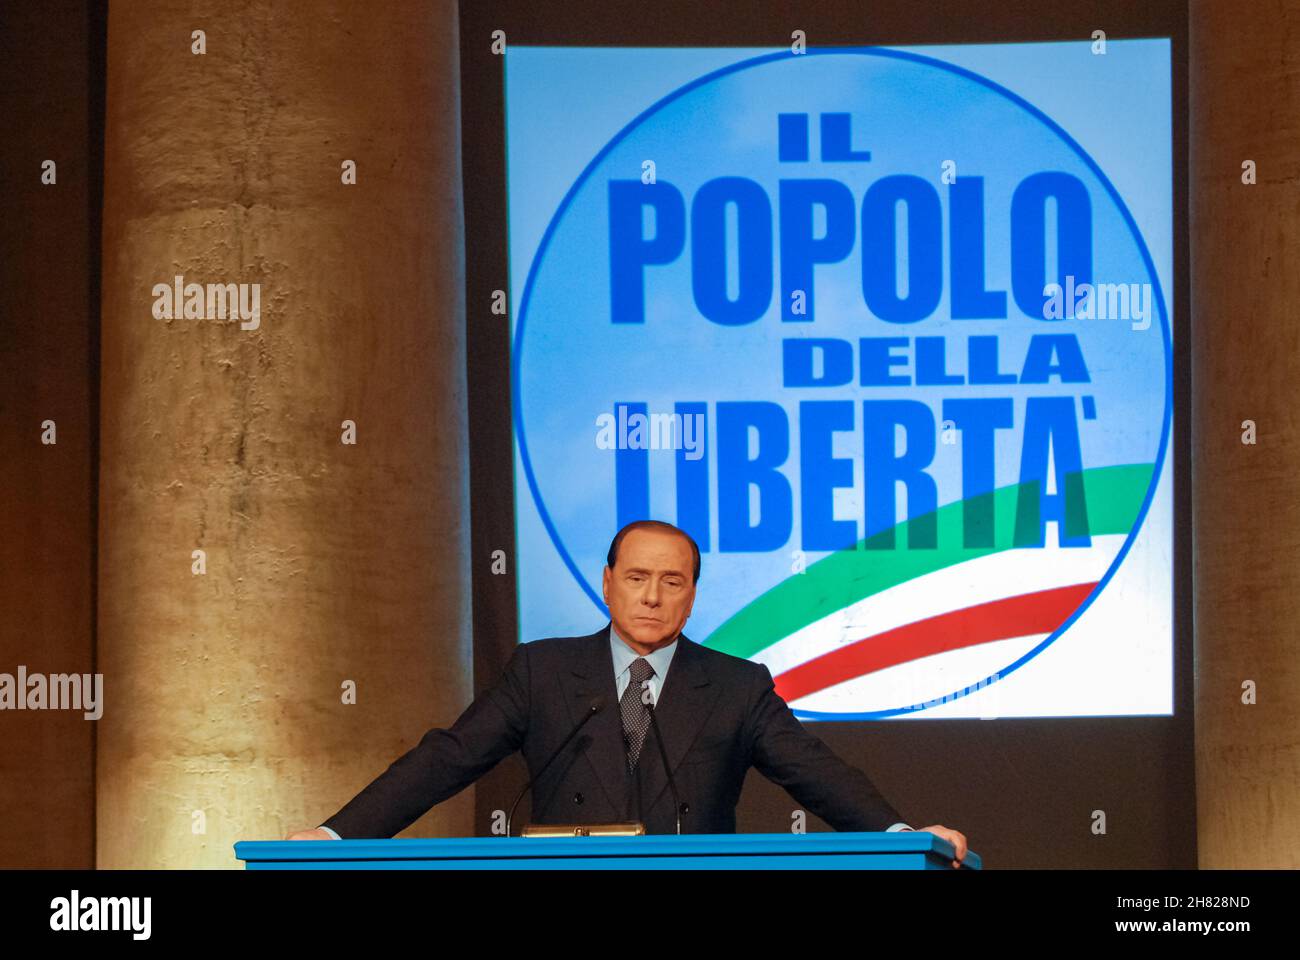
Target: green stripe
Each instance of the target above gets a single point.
(1112, 498)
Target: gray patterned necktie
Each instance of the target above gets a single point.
(636, 718)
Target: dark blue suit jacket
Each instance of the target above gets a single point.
(719, 716)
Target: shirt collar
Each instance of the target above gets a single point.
(624, 655)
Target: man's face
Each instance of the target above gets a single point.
(650, 591)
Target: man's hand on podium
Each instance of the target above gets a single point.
(958, 840)
(317, 834)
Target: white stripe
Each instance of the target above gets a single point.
(996, 576)
(928, 679)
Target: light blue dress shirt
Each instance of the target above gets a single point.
(624, 656)
(659, 660)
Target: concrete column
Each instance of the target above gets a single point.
(1245, 244)
(327, 564)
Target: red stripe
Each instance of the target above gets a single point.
(1018, 616)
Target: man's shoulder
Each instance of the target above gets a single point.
(725, 666)
(562, 648)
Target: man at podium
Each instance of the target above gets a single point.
(717, 715)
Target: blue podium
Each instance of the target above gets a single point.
(717, 851)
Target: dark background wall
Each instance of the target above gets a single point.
(1022, 790)
(51, 102)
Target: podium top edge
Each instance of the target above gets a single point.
(699, 844)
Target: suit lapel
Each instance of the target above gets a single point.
(685, 702)
(591, 676)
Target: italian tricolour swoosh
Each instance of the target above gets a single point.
(1047, 574)
(860, 626)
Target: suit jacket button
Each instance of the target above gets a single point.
(577, 798)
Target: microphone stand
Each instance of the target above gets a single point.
(595, 708)
(663, 755)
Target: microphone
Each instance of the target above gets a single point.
(663, 755)
(597, 705)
